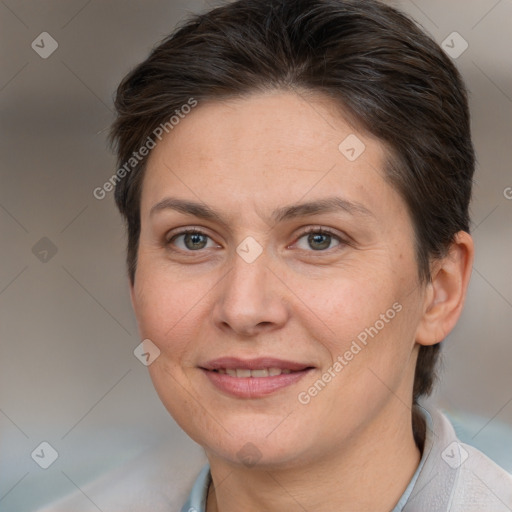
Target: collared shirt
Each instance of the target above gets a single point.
(451, 477)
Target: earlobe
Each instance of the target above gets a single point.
(445, 294)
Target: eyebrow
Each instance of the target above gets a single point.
(325, 205)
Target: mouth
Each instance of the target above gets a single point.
(246, 372)
(253, 378)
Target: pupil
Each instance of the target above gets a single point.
(316, 238)
(196, 241)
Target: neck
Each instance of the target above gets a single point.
(368, 473)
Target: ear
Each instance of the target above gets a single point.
(445, 294)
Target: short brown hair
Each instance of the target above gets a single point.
(386, 74)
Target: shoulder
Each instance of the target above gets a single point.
(470, 480)
(482, 485)
(158, 481)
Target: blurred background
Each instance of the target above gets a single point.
(68, 374)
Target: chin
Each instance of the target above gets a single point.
(245, 445)
(256, 455)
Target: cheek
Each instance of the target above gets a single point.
(345, 306)
(366, 323)
(168, 308)
(168, 313)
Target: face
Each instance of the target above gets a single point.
(277, 276)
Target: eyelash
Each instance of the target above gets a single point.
(307, 231)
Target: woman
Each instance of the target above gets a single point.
(295, 177)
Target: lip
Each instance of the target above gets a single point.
(253, 387)
(254, 364)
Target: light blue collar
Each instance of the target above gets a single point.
(196, 501)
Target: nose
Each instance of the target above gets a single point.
(250, 299)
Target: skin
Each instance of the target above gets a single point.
(351, 447)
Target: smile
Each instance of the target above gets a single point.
(253, 378)
(246, 372)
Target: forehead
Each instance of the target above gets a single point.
(273, 148)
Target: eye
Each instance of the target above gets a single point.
(318, 239)
(191, 240)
